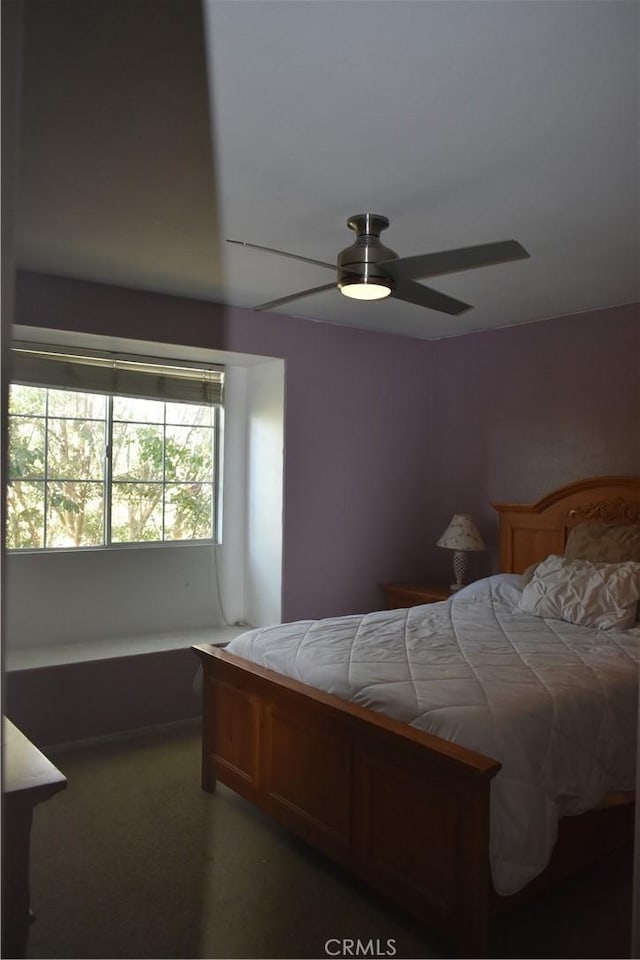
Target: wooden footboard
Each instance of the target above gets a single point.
(403, 810)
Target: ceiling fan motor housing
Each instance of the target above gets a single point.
(362, 261)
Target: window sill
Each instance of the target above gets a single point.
(31, 658)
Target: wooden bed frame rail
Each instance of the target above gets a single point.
(403, 810)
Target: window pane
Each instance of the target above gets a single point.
(26, 447)
(140, 411)
(188, 512)
(72, 403)
(136, 512)
(190, 413)
(75, 514)
(76, 449)
(160, 475)
(27, 399)
(25, 514)
(138, 452)
(189, 454)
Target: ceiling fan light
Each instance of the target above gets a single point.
(364, 290)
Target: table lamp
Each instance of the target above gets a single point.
(461, 536)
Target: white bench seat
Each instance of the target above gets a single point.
(28, 658)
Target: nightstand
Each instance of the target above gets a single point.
(413, 594)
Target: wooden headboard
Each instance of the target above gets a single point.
(529, 532)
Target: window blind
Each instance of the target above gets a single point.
(151, 378)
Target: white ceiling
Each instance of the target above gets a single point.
(463, 121)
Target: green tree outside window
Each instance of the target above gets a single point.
(88, 470)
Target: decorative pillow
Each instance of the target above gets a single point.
(604, 543)
(528, 573)
(603, 595)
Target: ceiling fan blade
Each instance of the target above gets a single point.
(426, 297)
(294, 296)
(283, 253)
(452, 261)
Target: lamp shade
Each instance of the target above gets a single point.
(461, 534)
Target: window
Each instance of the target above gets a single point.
(110, 450)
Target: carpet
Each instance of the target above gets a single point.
(133, 860)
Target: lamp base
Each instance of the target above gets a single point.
(459, 569)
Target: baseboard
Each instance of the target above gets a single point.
(156, 729)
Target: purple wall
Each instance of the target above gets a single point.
(523, 410)
(387, 436)
(100, 698)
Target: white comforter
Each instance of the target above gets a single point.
(556, 704)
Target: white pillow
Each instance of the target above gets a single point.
(602, 595)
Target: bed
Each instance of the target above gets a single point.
(407, 810)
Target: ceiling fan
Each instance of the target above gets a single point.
(367, 270)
